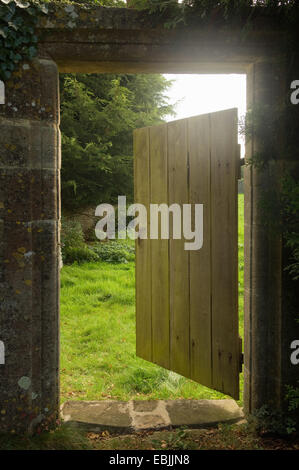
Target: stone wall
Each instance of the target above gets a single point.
(29, 212)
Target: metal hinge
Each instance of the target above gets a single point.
(240, 161)
(241, 355)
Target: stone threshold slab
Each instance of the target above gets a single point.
(133, 416)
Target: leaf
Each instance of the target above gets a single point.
(12, 8)
(18, 21)
(17, 58)
(13, 25)
(22, 3)
(32, 51)
(3, 55)
(25, 39)
(31, 11)
(43, 8)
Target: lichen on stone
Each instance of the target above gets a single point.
(24, 382)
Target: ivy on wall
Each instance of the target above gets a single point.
(191, 12)
(18, 41)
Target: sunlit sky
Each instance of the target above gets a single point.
(200, 94)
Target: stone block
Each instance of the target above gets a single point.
(29, 144)
(28, 194)
(32, 92)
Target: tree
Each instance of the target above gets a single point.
(98, 115)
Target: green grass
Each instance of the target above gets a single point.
(62, 438)
(98, 359)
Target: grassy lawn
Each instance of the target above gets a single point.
(98, 358)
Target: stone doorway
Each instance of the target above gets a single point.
(113, 40)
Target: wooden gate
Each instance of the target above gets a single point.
(187, 301)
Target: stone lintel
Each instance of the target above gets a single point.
(82, 38)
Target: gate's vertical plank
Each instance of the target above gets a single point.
(159, 249)
(143, 254)
(179, 258)
(200, 260)
(187, 301)
(224, 226)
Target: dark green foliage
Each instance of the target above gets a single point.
(114, 251)
(265, 420)
(75, 250)
(71, 233)
(18, 40)
(73, 246)
(78, 254)
(213, 12)
(105, 3)
(292, 397)
(290, 212)
(262, 121)
(99, 113)
(108, 252)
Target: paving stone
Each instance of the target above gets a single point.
(198, 413)
(96, 416)
(149, 421)
(132, 416)
(142, 406)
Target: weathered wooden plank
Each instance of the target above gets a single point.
(159, 248)
(225, 354)
(200, 260)
(187, 301)
(179, 258)
(143, 253)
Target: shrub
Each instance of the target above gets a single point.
(270, 421)
(75, 250)
(71, 234)
(90, 235)
(292, 398)
(73, 246)
(78, 254)
(114, 251)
